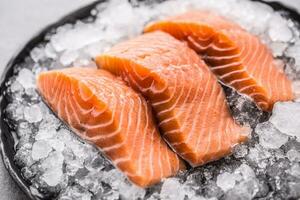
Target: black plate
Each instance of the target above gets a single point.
(6, 139)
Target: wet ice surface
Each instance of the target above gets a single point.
(57, 164)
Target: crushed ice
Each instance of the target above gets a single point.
(58, 164)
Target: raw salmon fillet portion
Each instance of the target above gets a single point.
(189, 104)
(238, 58)
(103, 110)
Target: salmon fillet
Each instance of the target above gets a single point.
(189, 104)
(238, 58)
(103, 110)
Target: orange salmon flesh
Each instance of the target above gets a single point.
(103, 110)
(238, 58)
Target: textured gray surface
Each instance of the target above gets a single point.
(19, 21)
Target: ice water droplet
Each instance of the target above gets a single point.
(40, 149)
(33, 113)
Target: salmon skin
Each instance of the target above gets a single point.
(189, 104)
(103, 110)
(238, 58)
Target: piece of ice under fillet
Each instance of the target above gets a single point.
(238, 58)
(190, 105)
(103, 110)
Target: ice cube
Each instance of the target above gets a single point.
(33, 113)
(53, 168)
(68, 57)
(32, 94)
(84, 62)
(89, 180)
(269, 136)
(243, 109)
(294, 170)
(75, 192)
(72, 164)
(286, 118)
(240, 151)
(294, 52)
(93, 163)
(253, 17)
(73, 39)
(50, 123)
(23, 129)
(26, 78)
(259, 156)
(279, 29)
(15, 111)
(56, 144)
(296, 89)
(246, 171)
(40, 149)
(114, 178)
(171, 189)
(34, 191)
(129, 191)
(227, 181)
(27, 172)
(278, 48)
(23, 155)
(52, 176)
(246, 190)
(294, 188)
(65, 135)
(93, 50)
(44, 134)
(49, 51)
(247, 186)
(16, 87)
(37, 54)
(293, 155)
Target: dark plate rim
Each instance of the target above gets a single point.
(8, 162)
(21, 54)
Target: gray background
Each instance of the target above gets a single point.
(19, 21)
